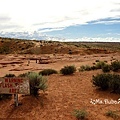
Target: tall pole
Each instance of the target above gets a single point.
(16, 100)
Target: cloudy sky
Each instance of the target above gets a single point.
(85, 20)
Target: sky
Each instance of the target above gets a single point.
(63, 20)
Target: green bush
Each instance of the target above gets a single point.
(67, 70)
(48, 72)
(93, 67)
(37, 82)
(85, 68)
(24, 74)
(82, 68)
(102, 80)
(106, 68)
(80, 114)
(107, 81)
(97, 61)
(5, 96)
(115, 83)
(115, 65)
(100, 64)
(113, 114)
(9, 75)
(5, 48)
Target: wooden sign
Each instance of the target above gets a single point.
(14, 85)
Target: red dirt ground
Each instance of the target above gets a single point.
(64, 93)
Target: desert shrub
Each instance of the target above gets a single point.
(106, 68)
(107, 81)
(5, 96)
(85, 68)
(115, 83)
(115, 65)
(37, 82)
(82, 68)
(105, 61)
(100, 64)
(97, 61)
(5, 49)
(24, 74)
(93, 67)
(9, 75)
(113, 114)
(80, 114)
(67, 70)
(48, 72)
(102, 80)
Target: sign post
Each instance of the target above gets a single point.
(16, 100)
(14, 85)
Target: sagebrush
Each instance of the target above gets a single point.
(102, 80)
(85, 68)
(107, 81)
(106, 68)
(80, 114)
(37, 82)
(67, 70)
(115, 66)
(113, 114)
(9, 75)
(48, 72)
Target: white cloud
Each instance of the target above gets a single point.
(31, 15)
(95, 39)
(38, 36)
(107, 22)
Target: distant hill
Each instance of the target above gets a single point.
(19, 46)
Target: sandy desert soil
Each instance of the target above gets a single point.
(64, 93)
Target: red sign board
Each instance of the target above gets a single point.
(14, 85)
